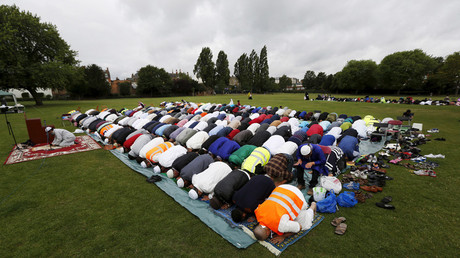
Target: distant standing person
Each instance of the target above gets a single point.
(306, 96)
(62, 137)
(249, 95)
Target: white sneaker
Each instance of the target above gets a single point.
(362, 175)
(422, 172)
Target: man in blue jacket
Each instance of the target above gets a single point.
(310, 158)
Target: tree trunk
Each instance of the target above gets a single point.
(38, 100)
(456, 90)
(398, 92)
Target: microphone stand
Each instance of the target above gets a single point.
(10, 128)
(47, 136)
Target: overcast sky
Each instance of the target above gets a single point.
(301, 35)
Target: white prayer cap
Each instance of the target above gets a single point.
(106, 140)
(180, 182)
(156, 170)
(143, 164)
(47, 129)
(305, 150)
(121, 150)
(193, 194)
(170, 173)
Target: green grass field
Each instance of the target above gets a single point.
(91, 204)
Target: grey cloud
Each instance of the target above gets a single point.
(300, 35)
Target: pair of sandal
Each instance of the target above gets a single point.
(340, 227)
(362, 197)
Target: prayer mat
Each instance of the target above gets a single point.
(200, 209)
(248, 227)
(40, 151)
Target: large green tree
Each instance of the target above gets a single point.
(32, 53)
(309, 80)
(97, 84)
(359, 76)
(254, 70)
(263, 84)
(449, 73)
(284, 82)
(92, 83)
(185, 85)
(153, 82)
(242, 72)
(320, 81)
(204, 68)
(222, 71)
(125, 88)
(406, 70)
(329, 83)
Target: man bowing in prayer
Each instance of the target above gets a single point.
(285, 213)
(62, 137)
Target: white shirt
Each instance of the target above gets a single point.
(197, 140)
(253, 128)
(273, 144)
(287, 148)
(201, 126)
(207, 180)
(170, 155)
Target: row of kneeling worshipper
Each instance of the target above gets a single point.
(231, 154)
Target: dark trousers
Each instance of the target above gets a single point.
(301, 180)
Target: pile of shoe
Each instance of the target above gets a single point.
(378, 179)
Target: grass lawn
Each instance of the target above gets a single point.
(90, 204)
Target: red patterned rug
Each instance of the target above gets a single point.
(40, 151)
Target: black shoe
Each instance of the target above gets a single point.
(385, 206)
(154, 178)
(386, 199)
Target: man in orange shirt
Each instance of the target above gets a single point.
(284, 213)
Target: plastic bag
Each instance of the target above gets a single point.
(347, 199)
(328, 205)
(331, 183)
(319, 193)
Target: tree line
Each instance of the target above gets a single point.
(411, 71)
(251, 71)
